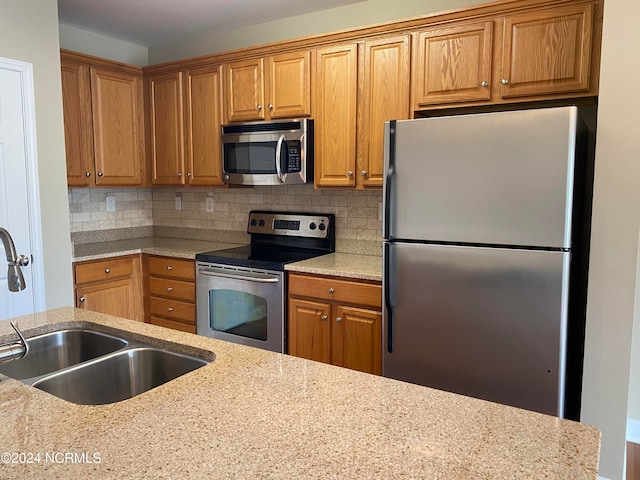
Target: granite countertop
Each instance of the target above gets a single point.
(363, 267)
(258, 414)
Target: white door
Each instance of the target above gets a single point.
(18, 181)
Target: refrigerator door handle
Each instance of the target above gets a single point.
(387, 296)
(390, 163)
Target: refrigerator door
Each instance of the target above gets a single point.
(494, 178)
(484, 322)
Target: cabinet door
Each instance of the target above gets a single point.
(113, 298)
(203, 117)
(165, 106)
(335, 91)
(452, 64)
(244, 90)
(117, 127)
(384, 95)
(310, 330)
(356, 339)
(288, 79)
(548, 51)
(78, 134)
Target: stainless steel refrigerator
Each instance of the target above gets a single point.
(478, 229)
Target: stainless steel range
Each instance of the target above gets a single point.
(241, 292)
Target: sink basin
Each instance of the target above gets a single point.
(118, 376)
(54, 351)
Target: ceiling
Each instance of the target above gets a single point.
(155, 22)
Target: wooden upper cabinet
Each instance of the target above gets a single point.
(287, 85)
(384, 79)
(166, 145)
(117, 127)
(547, 51)
(78, 131)
(271, 87)
(244, 90)
(335, 88)
(452, 64)
(203, 118)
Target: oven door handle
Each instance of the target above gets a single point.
(250, 276)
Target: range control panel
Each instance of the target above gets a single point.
(312, 225)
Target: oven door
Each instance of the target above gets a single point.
(241, 305)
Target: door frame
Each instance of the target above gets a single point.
(25, 70)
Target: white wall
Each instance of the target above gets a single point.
(339, 18)
(614, 247)
(78, 40)
(29, 32)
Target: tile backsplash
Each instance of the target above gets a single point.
(357, 212)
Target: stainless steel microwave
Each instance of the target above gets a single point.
(268, 153)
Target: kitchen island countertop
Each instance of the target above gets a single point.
(257, 414)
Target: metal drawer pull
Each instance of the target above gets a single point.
(106, 270)
(331, 290)
(250, 276)
(170, 309)
(169, 289)
(338, 319)
(169, 267)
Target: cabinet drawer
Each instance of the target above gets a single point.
(173, 309)
(103, 270)
(171, 288)
(344, 291)
(172, 267)
(164, 322)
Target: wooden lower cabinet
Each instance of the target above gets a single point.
(336, 321)
(172, 293)
(112, 286)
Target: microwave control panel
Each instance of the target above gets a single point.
(294, 157)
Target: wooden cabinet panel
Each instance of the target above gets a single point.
(547, 51)
(337, 331)
(335, 102)
(452, 64)
(383, 95)
(172, 267)
(112, 298)
(104, 270)
(117, 133)
(203, 118)
(167, 323)
(78, 132)
(175, 309)
(288, 79)
(356, 339)
(172, 288)
(166, 145)
(309, 330)
(244, 90)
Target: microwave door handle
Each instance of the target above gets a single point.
(212, 272)
(278, 153)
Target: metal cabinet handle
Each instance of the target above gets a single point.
(82, 299)
(270, 106)
(100, 174)
(323, 318)
(331, 290)
(188, 174)
(170, 309)
(349, 173)
(259, 107)
(504, 81)
(363, 173)
(169, 267)
(107, 270)
(169, 289)
(179, 174)
(485, 84)
(338, 319)
(88, 174)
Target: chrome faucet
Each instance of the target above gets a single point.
(14, 350)
(15, 279)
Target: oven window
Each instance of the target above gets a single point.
(238, 313)
(250, 157)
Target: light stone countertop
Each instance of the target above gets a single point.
(258, 414)
(363, 267)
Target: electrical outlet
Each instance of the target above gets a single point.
(178, 201)
(111, 203)
(209, 204)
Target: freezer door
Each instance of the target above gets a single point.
(484, 322)
(496, 178)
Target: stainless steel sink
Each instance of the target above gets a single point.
(54, 351)
(118, 376)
